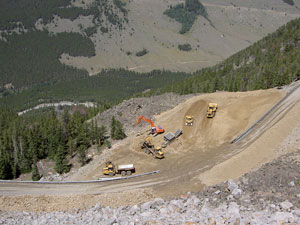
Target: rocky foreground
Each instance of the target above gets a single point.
(270, 195)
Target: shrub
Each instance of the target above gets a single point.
(185, 47)
(290, 2)
(142, 53)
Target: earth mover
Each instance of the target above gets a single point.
(189, 120)
(111, 169)
(154, 129)
(150, 149)
(211, 110)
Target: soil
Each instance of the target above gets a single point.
(202, 156)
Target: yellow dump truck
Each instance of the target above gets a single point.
(110, 169)
(211, 110)
(189, 120)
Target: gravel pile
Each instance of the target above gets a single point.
(187, 208)
(130, 110)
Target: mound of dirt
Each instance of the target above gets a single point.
(205, 139)
(236, 112)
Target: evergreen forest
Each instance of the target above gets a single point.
(53, 135)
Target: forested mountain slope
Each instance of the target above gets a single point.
(272, 61)
(30, 53)
(39, 37)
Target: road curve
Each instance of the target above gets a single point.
(197, 162)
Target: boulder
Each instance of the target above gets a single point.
(286, 205)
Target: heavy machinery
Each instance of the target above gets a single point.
(154, 129)
(112, 169)
(189, 120)
(211, 110)
(150, 149)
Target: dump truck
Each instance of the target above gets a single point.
(111, 169)
(189, 120)
(149, 148)
(211, 110)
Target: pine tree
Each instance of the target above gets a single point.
(5, 169)
(116, 131)
(82, 144)
(35, 173)
(113, 127)
(82, 155)
(61, 165)
(102, 131)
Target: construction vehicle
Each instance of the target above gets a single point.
(154, 129)
(110, 169)
(150, 149)
(189, 120)
(211, 110)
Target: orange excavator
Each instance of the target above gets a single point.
(154, 129)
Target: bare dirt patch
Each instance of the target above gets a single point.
(48, 203)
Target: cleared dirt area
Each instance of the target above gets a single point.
(201, 156)
(236, 112)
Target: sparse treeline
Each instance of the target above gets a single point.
(272, 61)
(53, 135)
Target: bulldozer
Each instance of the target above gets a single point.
(189, 120)
(111, 169)
(150, 149)
(211, 110)
(154, 129)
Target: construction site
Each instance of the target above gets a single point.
(183, 149)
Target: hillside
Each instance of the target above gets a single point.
(242, 166)
(270, 62)
(35, 43)
(30, 53)
(110, 86)
(236, 25)
(202, 155)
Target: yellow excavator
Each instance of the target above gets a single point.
(211, 110)
(150, 149)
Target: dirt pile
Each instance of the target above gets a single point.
(236, 112)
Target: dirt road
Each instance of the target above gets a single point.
(201, 155)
